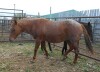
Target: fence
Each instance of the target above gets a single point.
(7, 14)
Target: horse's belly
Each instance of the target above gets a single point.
(56, 39)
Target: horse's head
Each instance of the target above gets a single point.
(88, 27)
(15, 30)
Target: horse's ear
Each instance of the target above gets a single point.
(15, 22)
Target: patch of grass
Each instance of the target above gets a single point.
(15, 57)
(5, 67)
(27, 69)
(27, 52)
(87, 66)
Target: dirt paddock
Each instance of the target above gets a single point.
(17, 57)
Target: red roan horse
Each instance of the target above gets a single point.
(51, 31)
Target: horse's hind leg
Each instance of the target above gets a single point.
(69, 50)
(76, 55)
(72, 46)
(43, 45)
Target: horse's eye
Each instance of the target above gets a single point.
(12, 30)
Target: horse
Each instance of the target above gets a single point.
(43, 30)
(88, 27)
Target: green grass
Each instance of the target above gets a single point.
(15, 57)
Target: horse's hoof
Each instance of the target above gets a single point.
(34, 60)
(74, 62)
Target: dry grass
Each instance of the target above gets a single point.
(17, 57)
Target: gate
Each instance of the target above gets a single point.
(6, 16)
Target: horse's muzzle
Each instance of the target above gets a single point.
(11, 39)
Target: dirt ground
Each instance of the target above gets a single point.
(17, 57)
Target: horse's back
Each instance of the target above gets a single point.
(60, 30)
(52, 31)
(74, 28)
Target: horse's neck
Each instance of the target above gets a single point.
(27, 29)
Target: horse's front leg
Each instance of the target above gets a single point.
(37, 44)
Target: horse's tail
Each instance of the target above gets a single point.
(87, 40)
